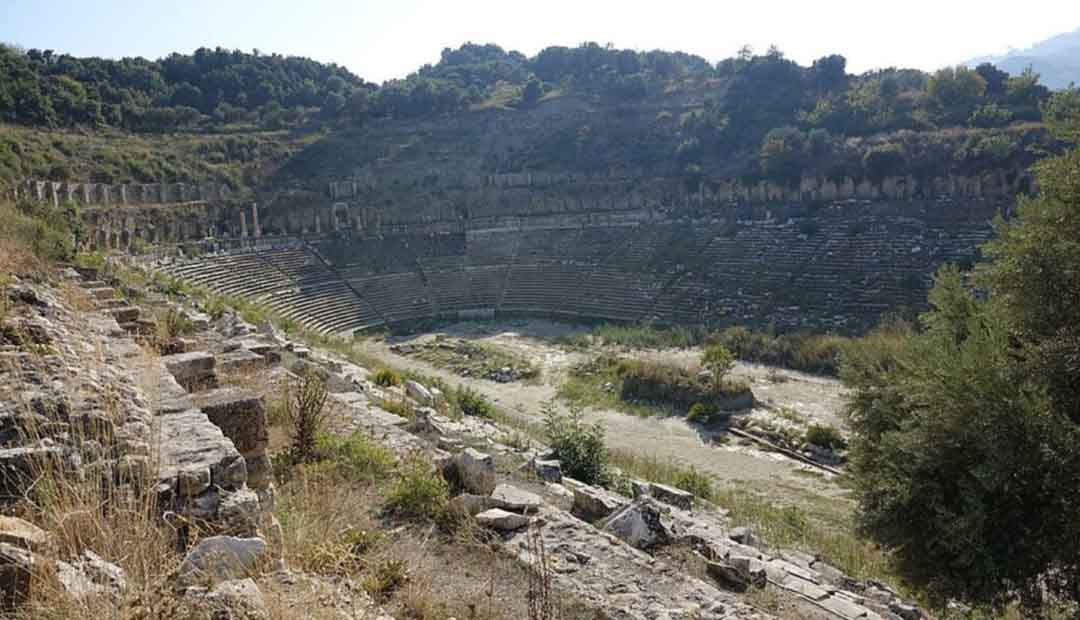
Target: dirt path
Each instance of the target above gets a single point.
(664, 438)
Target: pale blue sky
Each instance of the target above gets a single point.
(386, 39)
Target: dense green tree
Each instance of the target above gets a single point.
(966, 449)
(782, 156)
(956, 91)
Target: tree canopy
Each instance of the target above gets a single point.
(966, 451)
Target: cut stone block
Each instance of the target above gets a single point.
(502, 520)
(193, 370)
(514, 499)
(240, 414)
(673, 496)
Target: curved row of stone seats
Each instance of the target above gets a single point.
(688, 300)
(292, 281)
(547, 288)
(491, 247)
(332, 309)
(618, 295)
(449, 291)
(486, 285)
(244, 274)
(397, 297)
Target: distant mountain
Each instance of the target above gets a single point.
(1056, 59)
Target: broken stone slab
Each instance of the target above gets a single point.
(514, 499)
(736, 576)
(671, 495)
(642, 524)
(596, 566)
(90, 575)
(23, 534)
(593, 503)
(125, 314)
(805, 588)
(193, 370)
(241, 416)
(427, 420)
(237, 599)
(240, 360)
(268, 350)
(200, 321)
(419, 393)
(744, 536)
(547, 470)
(843, 607)
(102, 293)
(239, 513)
(191, 444)
(501, 520)
(222, 558)
(471, 470)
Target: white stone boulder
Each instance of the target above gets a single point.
(471, 470)
(642, 524)
(419, 393)
(514, 499)
(671, 495)
(223, 558)
(501, 520)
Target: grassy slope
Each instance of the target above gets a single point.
(110, 156)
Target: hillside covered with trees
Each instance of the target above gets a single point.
(751, 116)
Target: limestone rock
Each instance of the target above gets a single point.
(193, 370)
(593, 503)
(743, 536)
(22, 534)
(237, 599)
(195, 446)
(419, 393)
(501, 520)
(90, 575)
(222, 558)
(472, 470)
(240, 415)
(514, 499)
(547, 470)
(239, 512)
(240, 360)
(642, 524)
(672, 496)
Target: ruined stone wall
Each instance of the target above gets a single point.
(102, 194)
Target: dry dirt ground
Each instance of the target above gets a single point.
(815, 399)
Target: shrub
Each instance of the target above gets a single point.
(419, 492)
(386, 377)
(825, 436)
(694, 481)
(719, 361)
(173, 324)
(471, 402)
(698, 414)
(579, 446)
(674, 385)
(385, 577)
(356, 456)
(305, 407)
